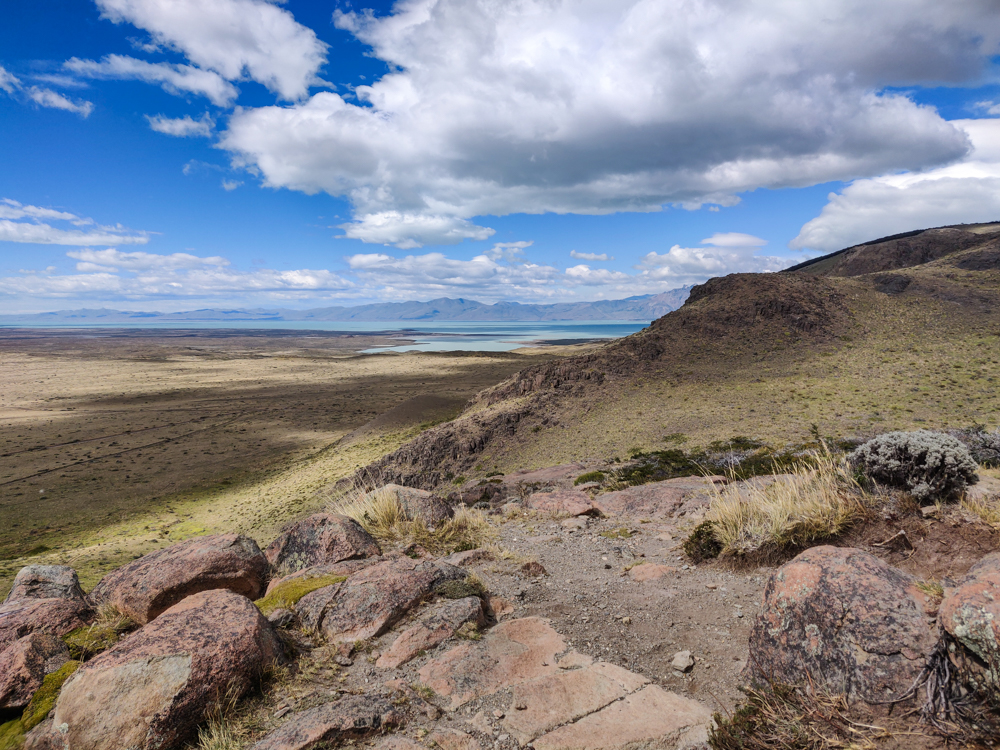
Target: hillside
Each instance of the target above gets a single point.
(898, 333)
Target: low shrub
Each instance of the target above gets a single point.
(928, 465)
(590, 476)
(702, 544)
(984, 446)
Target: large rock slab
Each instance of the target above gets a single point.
(667, 499)
(561, 502)
(24, 664)
(650, 718)
(320, 539)
(433, 629)
(326, 726)
(971, 613)
(45, 582)
(513, 652)
(566, 696)
(152, 689)
(155, 582)
(841, 619)
(372, 600)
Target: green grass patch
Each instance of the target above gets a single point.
(286, 595)
(12, 733)
(622, 532)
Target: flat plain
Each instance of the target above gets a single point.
(116, 442)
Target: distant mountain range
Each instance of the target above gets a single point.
(643, 308)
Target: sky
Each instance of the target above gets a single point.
(181, 154)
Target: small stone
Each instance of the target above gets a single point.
(930, 511)
(282, 711)
(520, 706)
(344, 661)
(281, 618)
(498, 714)
(682, 661)
(626, 621)
(711, 586)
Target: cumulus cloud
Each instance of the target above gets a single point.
(110, 274)
(235, 38)
(728, 253)
(230, 185)
(434, 274)
(176, 79)
(588, 106)
(8, 81)
(35, 230)
(590, 256)
(961, 193)
(182, 127)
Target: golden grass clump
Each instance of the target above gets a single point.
(987, 509)
(384, 517)
(815, 502)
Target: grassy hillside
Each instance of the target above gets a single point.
(777, 357)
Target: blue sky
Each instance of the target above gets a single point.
(173, 154)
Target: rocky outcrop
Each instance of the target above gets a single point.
(671, 498)
(152, 689)
(329, 725)
(562, 502)
(373, 599)
(24, 665)
(433, 629)
(45, 582)
(155, 582)
(843, 620)
(43, 599)
(970, 613)
(320, 539)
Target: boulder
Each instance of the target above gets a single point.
(562, 502)
(45, 582)
(416, 504)
(155, 582)
(152, 689)
(54, 616)
(24, 664)
(370, 601)
(667, 499)
(320, 539)
(970, 613)
(328, 725)
(842, 620)
(433, 629)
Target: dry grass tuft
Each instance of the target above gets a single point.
(987, 509)
(217, 735)
(786, 718)
(106, 630)
(815, 502)
(383, 516)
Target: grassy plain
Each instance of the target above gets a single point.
(116, 443)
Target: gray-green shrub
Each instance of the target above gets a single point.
(928, 465)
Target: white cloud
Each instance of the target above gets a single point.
(36, 231)
(512, 252)
(965, 192)
(111, 274)
(235, 38)
(176, 79)
(693, 265)
(434, 274)
(734, 239)
(593, 277)
(596, 106)
(8, 81)
(590, 256)
(52, 100)
(230, 185)
(182, 127)
(409, 230)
